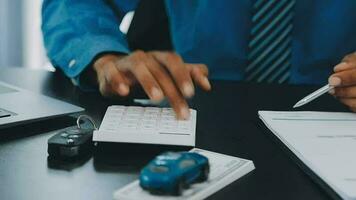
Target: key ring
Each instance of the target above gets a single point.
(88, 118)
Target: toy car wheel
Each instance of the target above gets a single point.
(179, 188)
(205, 174)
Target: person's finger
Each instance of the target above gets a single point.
(342, 67)
(175, 65)
(144, 77)
(343, 78)
(345, 92)
(199, 73)
(350, 102)
(115, 79)
(170, 90)
(348, 62)
(350, 57)
(104, 88)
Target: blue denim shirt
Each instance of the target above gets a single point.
(203, 31)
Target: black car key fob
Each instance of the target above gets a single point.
(72, 142)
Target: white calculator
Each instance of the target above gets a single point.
(146, 125)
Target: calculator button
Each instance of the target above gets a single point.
(148, 126)
(134, 109)
(132, 117)
(184, 123)
(130, 121)
(152, 110)
(117, 108)
(116, 115)
(168, 123)
(150, 114)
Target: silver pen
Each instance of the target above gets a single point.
(314, 95)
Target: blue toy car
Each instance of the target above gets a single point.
(172, 172)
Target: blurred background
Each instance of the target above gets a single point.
(20, 34)
(21, 43)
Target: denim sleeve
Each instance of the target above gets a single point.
(76, 31)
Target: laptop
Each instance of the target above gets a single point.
(18, 106)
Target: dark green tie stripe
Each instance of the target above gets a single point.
(268, 63)
(273, 25)
(269, 47)
(262, 55)
(262, 10)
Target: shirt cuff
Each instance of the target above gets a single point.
(86, 50)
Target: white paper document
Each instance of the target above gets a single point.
(147, 125)
(224, 170)
(324, 141)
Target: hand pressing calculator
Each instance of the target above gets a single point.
(146, 125)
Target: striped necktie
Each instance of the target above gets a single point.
(270, 45)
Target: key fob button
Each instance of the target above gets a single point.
(64, 135)
(74, 136)
(70, 141)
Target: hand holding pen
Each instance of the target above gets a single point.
(344, 81)
(342, 84)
